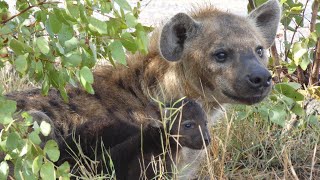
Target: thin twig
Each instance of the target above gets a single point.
(313, 160)
(314, 67)
(28, 8)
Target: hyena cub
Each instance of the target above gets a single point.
(153, 152)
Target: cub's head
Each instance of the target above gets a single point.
(189, 125)
(223, 56)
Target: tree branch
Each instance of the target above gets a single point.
(25, 10)
(314, 68)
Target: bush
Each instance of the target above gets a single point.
(57, 43)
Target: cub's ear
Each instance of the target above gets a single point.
(266, 18)
(175, 34)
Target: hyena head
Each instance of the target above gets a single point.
(223, 55)
(190, 124)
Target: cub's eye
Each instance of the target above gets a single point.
(259, 51)
(189, 125)
(221, 56)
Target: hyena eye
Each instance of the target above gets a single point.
(220, 56)
(259, 51)
(189, 125)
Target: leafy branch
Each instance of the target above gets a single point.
(26, 9)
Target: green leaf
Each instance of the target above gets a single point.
(63, 170)
(142, 39)
(292, 67)
(278, 116)
(72, 59)
(19, 47)
(7, 107)
(298, 51)
(52, 150)
(98, 26)
(43, 45)
(63, 94)
(47, 171)
(123, 4)
(73, 9)
(24, 149)
(289, 91)
(25, 31)
(305, 62)
(86, 75)
(45, 128)
(128, 42)
(12, 141)
(297, 109)
(37, 163)
(71, 44)
(21, 63)
(88, 88)
(34, 138)
(55, 24)
(4, 170)
(105, 7)
(60, 15)
(45, 85)
(39, 67)
(131, 21)
(318, 29)
(66, 33)
(294, 85)
(117, 52)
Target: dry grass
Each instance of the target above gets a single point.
(255, 149)
(242, 149)
(10, 80)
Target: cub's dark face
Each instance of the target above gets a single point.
(191, 127)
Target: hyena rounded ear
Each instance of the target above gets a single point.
(174, 35)
(266, 18)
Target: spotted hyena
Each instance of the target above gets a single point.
(213, 56)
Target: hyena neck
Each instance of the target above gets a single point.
(163, 80)
(166, 81)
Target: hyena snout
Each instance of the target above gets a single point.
(207, 139)
(259, 79)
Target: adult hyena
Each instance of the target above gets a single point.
(213, 56)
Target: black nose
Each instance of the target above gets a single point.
(259, 78)
(207, 139)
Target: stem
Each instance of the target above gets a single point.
(315, 8)
(313, 80)
(276, 61)
(314, 68)
(300, 74)
(25, 10)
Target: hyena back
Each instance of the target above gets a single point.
(213, 56)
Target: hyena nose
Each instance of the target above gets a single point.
(207, 139)
(258, 79)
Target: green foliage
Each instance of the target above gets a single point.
(21, 144)
(57, 43)
(287, 97)
(51, 43)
